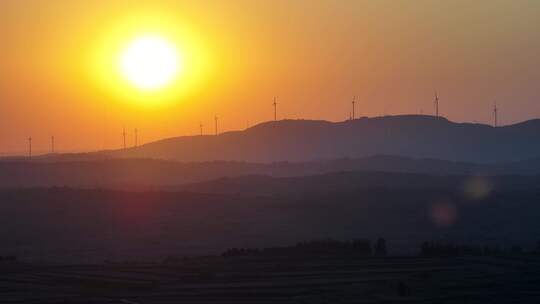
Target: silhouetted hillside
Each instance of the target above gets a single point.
(342, 183)
(416, 136)
(156, 173)
(69, 225)
(305, 140)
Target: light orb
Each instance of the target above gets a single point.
(150, 62)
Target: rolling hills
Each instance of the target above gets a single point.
(414, 136)
(144, 173)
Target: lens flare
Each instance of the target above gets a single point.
(443, 214)
(477, 188)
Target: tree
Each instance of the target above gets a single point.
(380, 247)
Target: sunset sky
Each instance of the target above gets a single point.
(60, 77)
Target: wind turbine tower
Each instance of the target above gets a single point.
(495, 115)
(52, 144)
(200, 127)
(30, 147)
(215, 122)
(436, 105)
(124, 135)
(136, 137)
(275, 109)
(353, 107)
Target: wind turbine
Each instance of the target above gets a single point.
(30, 147)
(436, 104)
(124, 136)
(495, 115)
(353, 107)
(275, 109)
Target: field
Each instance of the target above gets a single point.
(303, 279)
(93, 246)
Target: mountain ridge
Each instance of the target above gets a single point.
(414, 136)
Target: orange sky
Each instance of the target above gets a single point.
(313, 54)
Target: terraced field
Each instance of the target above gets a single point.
(273, 279)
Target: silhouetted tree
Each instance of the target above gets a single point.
(10, 258)
(448, 249)
(516, 249)
(240, 252)
(362, 247)
(315, 247)
(380, 247)
(403, 289)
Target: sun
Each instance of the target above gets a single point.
(150, 62)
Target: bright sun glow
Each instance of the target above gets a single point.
(150, 62)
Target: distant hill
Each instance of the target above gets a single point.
(83, 225)
(141, 173)
(416, 136)
(343, 183)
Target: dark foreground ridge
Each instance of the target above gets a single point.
(247, 213)
(279, 278)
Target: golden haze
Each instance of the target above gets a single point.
(59, 60)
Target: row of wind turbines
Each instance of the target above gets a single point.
(352, 116)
